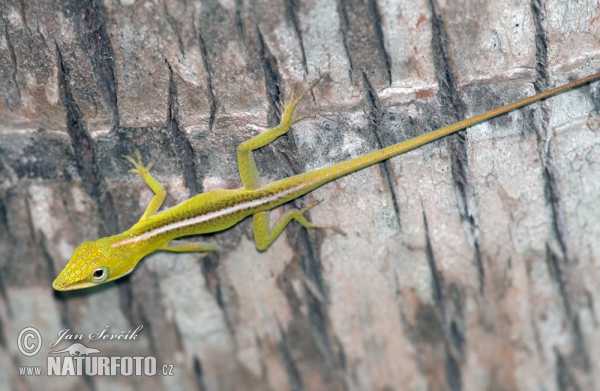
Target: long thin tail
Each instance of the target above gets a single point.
(314, 179)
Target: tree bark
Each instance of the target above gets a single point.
(468, 264)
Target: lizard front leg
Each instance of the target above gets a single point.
(159, 190)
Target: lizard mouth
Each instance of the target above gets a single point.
(59, 284)
(64, 286)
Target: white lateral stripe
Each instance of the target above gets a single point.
(206, 217)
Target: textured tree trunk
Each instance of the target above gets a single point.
(469, 264)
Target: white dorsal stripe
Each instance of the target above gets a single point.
(207, 217)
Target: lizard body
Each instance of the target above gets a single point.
(112, 257)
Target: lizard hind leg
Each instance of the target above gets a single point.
(160, 193)
(264, 237)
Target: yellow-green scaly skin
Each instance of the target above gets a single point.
(113, 257)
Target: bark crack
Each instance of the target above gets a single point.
(454, 107)
(95, 43)
(551, 185)
(344, 28)
(376, 18)
(272, 81)
(291, 368)
(436, 277)
(311, 268)
(290, 12)
(543, 131)
(409, 329)
(239, 24)
(275, 97)
(565, 381)
(210, 92)
(199, 374)
(13, 60)
(181, 143)
(454, 338)
(375, 114)
(453, 375)
(174, 26)
(4, 227)
(555, 270)
(83, 145)
(209, 268)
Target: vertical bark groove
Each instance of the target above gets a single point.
(212, 100)
(292, 16)
(95, 42)
(182, 145)
(454, 107)
(85, 154)
(375, 113)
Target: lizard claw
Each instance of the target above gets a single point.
(302, 117)
(294, 101)
(332, 227)
(290, 106)
(138, 165)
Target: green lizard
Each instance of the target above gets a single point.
(113, 257)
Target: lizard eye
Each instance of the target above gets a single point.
(100, 274)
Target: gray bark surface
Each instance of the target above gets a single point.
(469, 264)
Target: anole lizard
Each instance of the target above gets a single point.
(113, 257)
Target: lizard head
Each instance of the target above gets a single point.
(92, 263)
